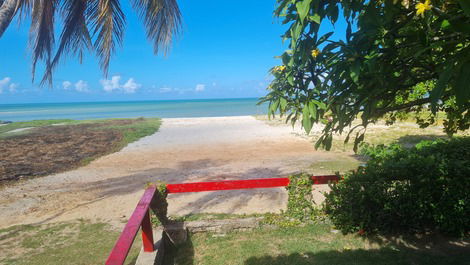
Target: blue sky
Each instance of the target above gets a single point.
(225, 51)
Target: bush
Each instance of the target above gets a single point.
(420, 189)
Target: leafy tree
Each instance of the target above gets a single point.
(93, 25)
(396, 57)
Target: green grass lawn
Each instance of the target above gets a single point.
(79, 242)
(313, 245)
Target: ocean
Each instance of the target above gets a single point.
(132, 109)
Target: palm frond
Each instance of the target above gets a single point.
(8, 9)
(108, 23)
(42, 31)
(75, 37)
(162, 19)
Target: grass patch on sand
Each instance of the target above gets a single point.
(312, 244)
(78, 242)
(212, 216)
(132, 132)
(342, 165)
(5, 129)
(406, 132)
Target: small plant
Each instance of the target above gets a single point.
(159, 204)
(301, 208)
(420, 189)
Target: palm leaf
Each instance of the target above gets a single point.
(108, 23)
(8, 9)
(75, 37)
(42, 31)
(162, 19)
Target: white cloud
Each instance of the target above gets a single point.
(165, 89)
(200, 87)
(66, 85)
(112, 84)
(81, 86)
(131, 86)
(13, 87)
(4, 83)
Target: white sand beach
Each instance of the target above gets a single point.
(183, 150)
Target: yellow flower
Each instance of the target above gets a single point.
(279, 68)
(421, 7)
(315, 53)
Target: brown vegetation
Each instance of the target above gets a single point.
(53, 149)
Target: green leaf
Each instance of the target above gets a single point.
(324, 38)
(320, 104)
(315, 18)
(290, 80)
(465, 4)
(312, 109)
(296, 30)
(355, 70)
(285, 58)
(357, 141)
(445, 24)
(333, 13)
(283, 103)
(306, 121)
(274, 106)
(348, 32)
(319, 142)
(462, 85)
(328, 142)
(302, 8)
(438, 90)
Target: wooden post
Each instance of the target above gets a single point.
(147, 233)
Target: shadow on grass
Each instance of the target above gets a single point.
(361, 256)
(412, 140)
(391, 250)
(173, 254)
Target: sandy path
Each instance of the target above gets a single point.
(192, 149)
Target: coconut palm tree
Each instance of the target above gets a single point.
(88, 25)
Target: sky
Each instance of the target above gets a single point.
(225, 51)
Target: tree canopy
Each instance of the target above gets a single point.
(395, 57)
(97, 26)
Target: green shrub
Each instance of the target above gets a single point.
(301, 208)
(423, 188)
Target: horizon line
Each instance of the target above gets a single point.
(124, 101)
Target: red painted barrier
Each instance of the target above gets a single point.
(227, 185)
(325, 179)
(141, 218)
(241, 184)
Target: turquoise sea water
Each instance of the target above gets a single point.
(162, 109)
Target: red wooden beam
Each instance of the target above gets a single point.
(325, 179)
(241, 184)
(227, 185)
(123, 245)
(147, 234)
